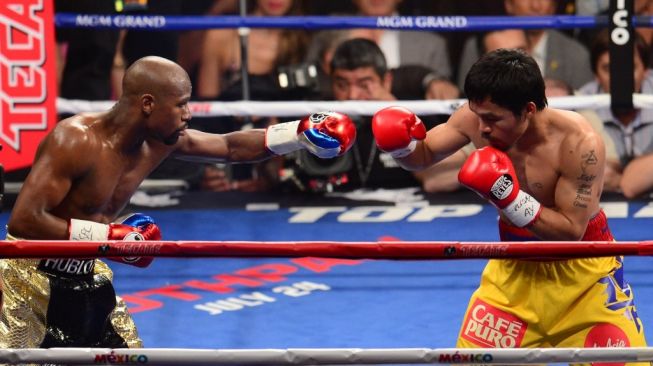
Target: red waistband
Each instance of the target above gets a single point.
(597, 230)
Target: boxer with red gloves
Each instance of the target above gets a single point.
(489, 172)
(84, 174)
(397, 131)
(325, 134)
(542, 168)
(134, 227)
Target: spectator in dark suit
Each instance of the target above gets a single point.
(558, 55)
(405, 48)
(489, 41)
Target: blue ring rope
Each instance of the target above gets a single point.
(433, 23)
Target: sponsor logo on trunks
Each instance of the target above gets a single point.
(487, 326)
(606, 335)
(68, 266)
(502, 187)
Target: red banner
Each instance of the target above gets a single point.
(28, 86)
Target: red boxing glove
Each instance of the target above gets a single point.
(134, 227)
(397, 130)
(490, 173)
(325, 134)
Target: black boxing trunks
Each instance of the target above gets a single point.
(62, 302)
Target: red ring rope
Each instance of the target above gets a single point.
(354, 250)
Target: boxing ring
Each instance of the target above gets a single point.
(304, 309)
(302, 283)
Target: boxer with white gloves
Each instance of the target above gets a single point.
(325, 134)
(543, 169)
(86, 170)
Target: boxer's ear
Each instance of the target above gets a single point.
(147, 103)
(531, 108)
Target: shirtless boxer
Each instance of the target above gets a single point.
(83, 176)
(543, 170)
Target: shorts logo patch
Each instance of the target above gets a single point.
(68, 266)
(607, 335)
(487, 326)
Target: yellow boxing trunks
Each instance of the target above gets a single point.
(62, 303)
(571, 303)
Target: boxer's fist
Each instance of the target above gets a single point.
(490, 173)
(325, 134)
(134, 227)
(397, 130)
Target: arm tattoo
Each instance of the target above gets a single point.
(585, 180)
(588, 160)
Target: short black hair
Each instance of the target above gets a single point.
(359, 52)
(509, 78)
(601, 45)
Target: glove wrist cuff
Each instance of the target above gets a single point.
(401, 153)
(87, 230)
(523, 211)
(282, 138)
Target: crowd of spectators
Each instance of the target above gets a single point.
(357, 64)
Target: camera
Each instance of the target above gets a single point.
(299, 76)
(304, 172)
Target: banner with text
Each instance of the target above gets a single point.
(28, 84)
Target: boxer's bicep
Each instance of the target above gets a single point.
(62, 158)
(579, 188)
(66, 157)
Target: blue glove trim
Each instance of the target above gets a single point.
(137, 220)
(320, 139)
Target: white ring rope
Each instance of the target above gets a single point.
(354, 107)
(323, 356)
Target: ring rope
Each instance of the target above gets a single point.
(324, 356)
(399, 22)
(357, 107)
(543, 250)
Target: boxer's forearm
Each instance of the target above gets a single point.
(555, 226)
(239, 146)
(38, 226)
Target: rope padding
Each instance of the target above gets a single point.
(540, 250)
(323, 356)
(353, 107)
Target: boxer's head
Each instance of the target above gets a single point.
(160, 90)
(505, 88)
